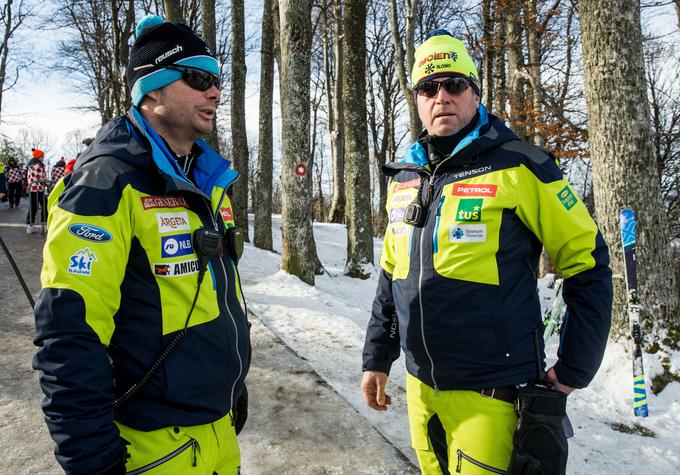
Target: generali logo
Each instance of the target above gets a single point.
(152, 202)
(461, 189)
(407, 184)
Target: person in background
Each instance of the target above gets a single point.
(141, 329)
(36, 185)
(3, 183)
(58, 171)
(14, 173)
(470, 207)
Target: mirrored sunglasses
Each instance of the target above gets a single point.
(197, 78)
(452, 86)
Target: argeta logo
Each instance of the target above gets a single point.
(168, 222)
(469, 210)
(567, 197)
(176, 245)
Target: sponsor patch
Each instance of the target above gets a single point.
(168, 222)
(176, 245)
(397, 214)
(567, 197)
(407, 184)
(462, 189)
(90, 232)
(400, 230)
(467, 233)
(81, 262)
(176, 269)
(471, 173)
(151, 202)
(469, 210)
(227, 214)
(401, 198)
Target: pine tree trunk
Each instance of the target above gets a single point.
(239, 138)
(357, 173)
(262, 200)
(625, 173)
(298, 255)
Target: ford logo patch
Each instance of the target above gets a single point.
(89, 232)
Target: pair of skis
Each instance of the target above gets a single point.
(627, 223)
(553, 318)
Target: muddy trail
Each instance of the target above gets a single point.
(297, 424)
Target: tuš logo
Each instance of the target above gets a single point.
(89, 232)
(469, 210)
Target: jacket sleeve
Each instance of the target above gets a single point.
(381, 347)
(549, 207)
(74, 324)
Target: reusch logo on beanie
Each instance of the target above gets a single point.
(443, 55)
(160, 44)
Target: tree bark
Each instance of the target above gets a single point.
(336, 123)
(262, 202)
(298, 255)
(173, 11)
(209, 33)
(516, 95)
(625, 173)
(359, 225)
(489, 53)
(239, 139)
(406, 56)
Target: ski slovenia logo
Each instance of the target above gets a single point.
(81, 262)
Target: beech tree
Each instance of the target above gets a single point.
(624, 166)
(298, 255)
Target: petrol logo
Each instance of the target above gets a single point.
(81, 262)
(464, 189)
(89, 232)
(227, 215)
(176, 245)
(469, 210)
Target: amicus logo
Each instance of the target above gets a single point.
(89, 232)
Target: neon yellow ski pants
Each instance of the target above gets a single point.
(462, 430)
(204, 449)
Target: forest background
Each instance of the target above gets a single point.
(316, 98)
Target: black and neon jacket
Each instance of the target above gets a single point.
(459, 293)
(119, 276)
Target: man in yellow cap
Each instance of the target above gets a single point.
(470, 208)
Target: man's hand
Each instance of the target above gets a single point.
(373, 388)
(560, 387)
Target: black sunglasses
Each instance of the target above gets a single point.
(452, 86)
(197, 78)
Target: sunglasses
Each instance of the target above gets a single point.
(452, 86)
(197, 78)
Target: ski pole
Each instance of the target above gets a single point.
(16, 271)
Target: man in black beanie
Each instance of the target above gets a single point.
(142, 362)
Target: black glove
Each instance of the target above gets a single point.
(241, 411)
(539, 443)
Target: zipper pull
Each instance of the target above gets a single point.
(460, 461)
(193, 448)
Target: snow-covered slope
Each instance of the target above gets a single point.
(325, 324)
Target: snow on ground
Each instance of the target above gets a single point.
(325, 324)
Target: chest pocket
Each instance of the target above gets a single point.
(467, 227)
(399, 233)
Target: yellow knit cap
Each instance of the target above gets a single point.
(443, 55)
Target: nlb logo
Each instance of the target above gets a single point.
(89, 232)
(177, 245)
(461, 189)
(469, 210)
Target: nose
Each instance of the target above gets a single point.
(442, 96)
(213, 93)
